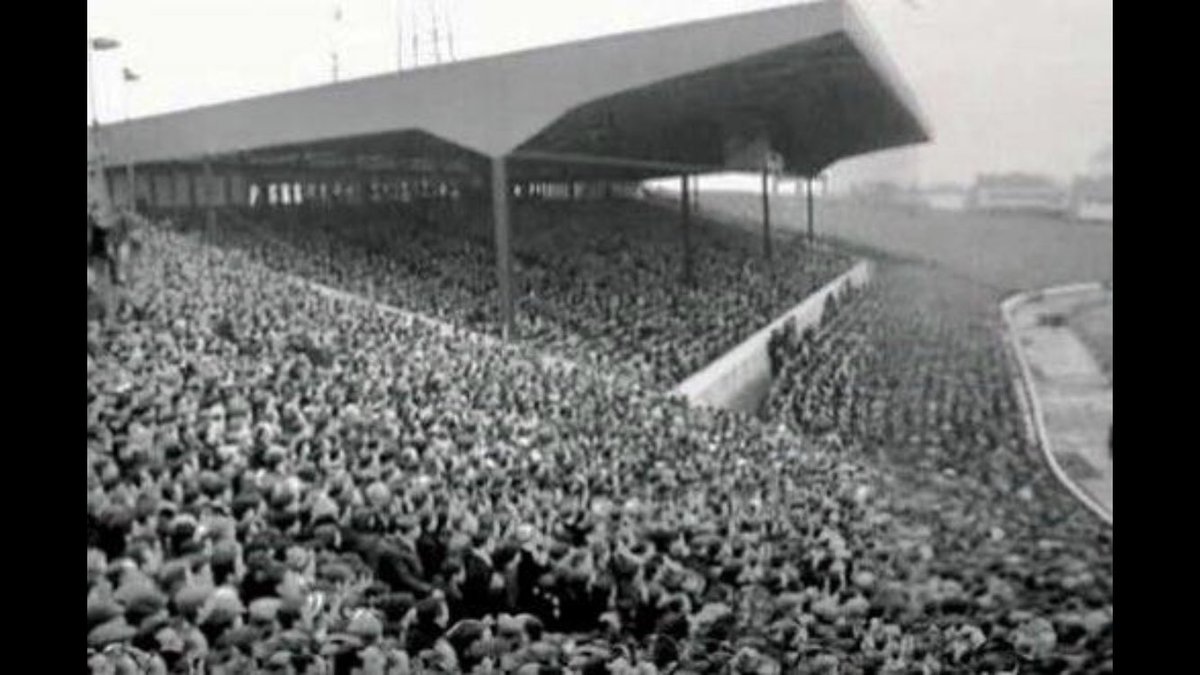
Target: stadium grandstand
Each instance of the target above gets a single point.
(389, 386)
(704, 97)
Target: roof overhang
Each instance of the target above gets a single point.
(807, 82)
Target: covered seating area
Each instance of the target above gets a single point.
(790, 90)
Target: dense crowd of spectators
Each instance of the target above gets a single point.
(279, 481)
(598, 282)
(915, 366)
(913, 371)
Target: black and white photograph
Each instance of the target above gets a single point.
(619, 337)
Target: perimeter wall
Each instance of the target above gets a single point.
(741, 378)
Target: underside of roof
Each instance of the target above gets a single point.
(806, 83)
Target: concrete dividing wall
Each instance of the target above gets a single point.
(740, 378)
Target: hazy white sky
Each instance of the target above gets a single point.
(1007, 84)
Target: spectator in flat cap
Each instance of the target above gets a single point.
(426, 625)
(398, 564)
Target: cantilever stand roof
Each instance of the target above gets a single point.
(805, 84)
(804, 81)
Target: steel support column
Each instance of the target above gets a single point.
(504, 268)
(686, 227)
(210, 198)
(766, 215)
(172, 188)
(153, 190)
(190, 174)
(132, 183)
(292, 181)
(809, 192)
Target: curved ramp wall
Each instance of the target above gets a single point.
(1033, 407)
(740, 378)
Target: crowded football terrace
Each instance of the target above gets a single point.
(283, 481)
(599, 283)
(352, 411)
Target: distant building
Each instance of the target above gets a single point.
(1018, 193)
(945, 196)
(877, 192)
(1092, 193)
(885, 193)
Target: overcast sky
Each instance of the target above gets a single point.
(1008, 84)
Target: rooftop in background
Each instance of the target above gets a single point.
(807, 81)
(944, 188)
(1023, 181)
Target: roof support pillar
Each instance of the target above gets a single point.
(686, 229)
(210, 198)
(809, 193)
(501, 191)
(172, 188)
(131, 182)
(172, 176)
(294, 198)
(766, 215)
(190, 175)
(153, 190)
(259, 189)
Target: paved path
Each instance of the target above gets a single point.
(1073, 398)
